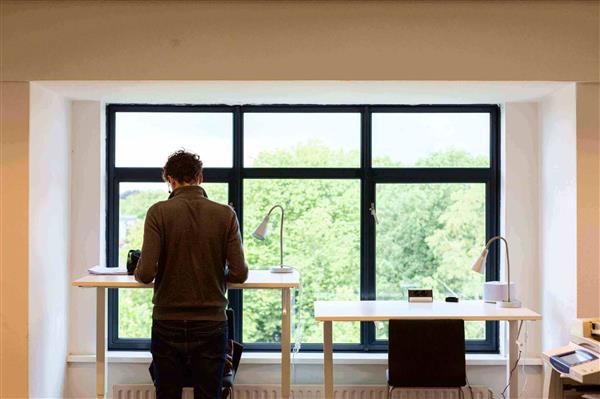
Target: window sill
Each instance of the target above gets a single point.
(302, 358)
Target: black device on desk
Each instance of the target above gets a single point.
(452, 299)
(133, 257)
(420, 295)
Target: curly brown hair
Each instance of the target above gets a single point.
(183, 166)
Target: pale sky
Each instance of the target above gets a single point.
(146, 139)
(274, 131)
(408, 137)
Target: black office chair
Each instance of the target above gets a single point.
(426, 354)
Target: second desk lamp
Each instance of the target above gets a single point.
(261, 232)
(507, 301)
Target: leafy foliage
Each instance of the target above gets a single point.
(427, 236)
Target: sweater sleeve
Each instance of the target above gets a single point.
(147, 266)
(236, 263)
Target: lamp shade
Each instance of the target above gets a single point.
(263, 228)
(478, 265)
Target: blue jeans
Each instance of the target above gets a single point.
(188, 353)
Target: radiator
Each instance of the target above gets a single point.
(146, 391)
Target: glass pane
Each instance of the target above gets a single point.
(431, 140)
(427, 237)
(325, 140)
(135, 312)
(218, 192)
(135, 305)
(134, 201)
(321, 240)
(145, 139)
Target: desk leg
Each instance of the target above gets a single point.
(513, 352)
(285, 342)
(553, 388)
(101, 342)
(328, 359)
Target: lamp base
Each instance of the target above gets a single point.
(282, 269)
(508, 304)
(496, 291)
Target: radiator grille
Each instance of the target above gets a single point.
(146, 391)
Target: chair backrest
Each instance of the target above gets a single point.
(237, 356)
(230, 323)
(237, 347)
(426, 353)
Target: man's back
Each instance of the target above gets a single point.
(192, 248)
(188, 240)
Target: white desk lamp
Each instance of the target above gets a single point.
(261, 232)
(478, 267)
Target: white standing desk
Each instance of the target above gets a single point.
(329, 311)
(256, 279)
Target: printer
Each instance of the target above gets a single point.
(575, 367)
(578, 361)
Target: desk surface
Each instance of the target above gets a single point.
(386, 310)
(256, 279)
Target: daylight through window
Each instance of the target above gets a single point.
(431, 173)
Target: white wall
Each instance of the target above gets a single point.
(519, 199)
(49, 211)
(558, 215)
(87, 217)
(520, 196)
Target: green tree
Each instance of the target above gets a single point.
(428, 235)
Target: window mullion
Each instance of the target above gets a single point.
(367, 230)
(236, 200)
(112, 228)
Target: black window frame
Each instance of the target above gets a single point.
(369, 177)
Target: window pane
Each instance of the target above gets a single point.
(321, 240)
(134, 201)
(218, 192)
(135, 312)
(306, 140)
(427, 237)
(135, 305)
(431, 139)
(145, 139)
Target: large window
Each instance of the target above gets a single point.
(378, 199)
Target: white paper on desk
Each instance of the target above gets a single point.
(107, 270)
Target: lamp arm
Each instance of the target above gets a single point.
(507, 259)
(280, 231)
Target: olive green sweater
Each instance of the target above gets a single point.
(192, 248)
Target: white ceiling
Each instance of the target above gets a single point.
(302, 92)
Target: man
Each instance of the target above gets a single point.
(192, 248)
